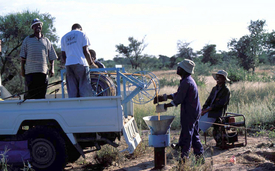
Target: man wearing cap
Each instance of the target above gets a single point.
(187, 96)
(77, 59)
(35, 53)
(216, 104)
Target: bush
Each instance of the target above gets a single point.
(203, 68)
(107, 155)
(236, 74)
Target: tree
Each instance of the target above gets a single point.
(164, 61)
(250, 47)
(209, 54)
(13, 30)
(242, 48)
(133, 51)
(122, 61)
(184, 51)
(173, 61)
(256, 29)
(148, 62)
(269, 45)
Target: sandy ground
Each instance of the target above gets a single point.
(258, 154)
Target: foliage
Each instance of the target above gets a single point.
(184, 51)
(249, 47)
(164, 62)
(269, 45)
(6, 167)
(209, 54)
(173, 62)
(133, 51)
(202, 68)
(107, 155)
(147, 62)
(13, 30)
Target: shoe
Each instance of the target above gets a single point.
(175, 146)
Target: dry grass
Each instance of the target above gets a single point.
(253, 99)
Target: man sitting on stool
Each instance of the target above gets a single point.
(215, 105)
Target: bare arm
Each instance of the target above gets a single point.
(51, 70)
(63, 57)
(204, 111)
(87, 55)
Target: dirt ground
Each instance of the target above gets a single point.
(257, 155)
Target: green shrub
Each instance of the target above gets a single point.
(236, 74)
(107, 155)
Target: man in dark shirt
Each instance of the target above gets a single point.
(187, 96)
(216, 104)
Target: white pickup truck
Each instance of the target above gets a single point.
(59, 129)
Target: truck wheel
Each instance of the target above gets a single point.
(102, 85)
(47, 147)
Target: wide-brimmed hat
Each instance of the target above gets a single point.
(221, 72)
(187, 65)
(36, 21)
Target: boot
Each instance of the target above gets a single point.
(175, 146)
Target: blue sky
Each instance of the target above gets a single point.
(110, 22)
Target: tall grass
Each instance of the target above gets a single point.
(256, 100)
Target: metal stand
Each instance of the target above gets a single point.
(159, 157)
(159, 137)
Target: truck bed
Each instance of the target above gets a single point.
(75, 115)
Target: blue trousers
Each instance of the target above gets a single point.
(189, 136)
(78, 81)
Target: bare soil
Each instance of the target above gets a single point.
(257, 155)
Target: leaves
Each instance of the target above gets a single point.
(133, 51)
(14, 28)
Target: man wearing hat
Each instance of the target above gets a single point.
(216, 104)
(187, 96)
(35, 53)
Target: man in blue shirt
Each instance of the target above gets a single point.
(187, 96)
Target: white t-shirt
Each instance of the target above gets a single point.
(72, 44)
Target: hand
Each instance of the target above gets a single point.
(160, 108)
(51, 73)
(203, 112)
(160, 98)
(93, 65)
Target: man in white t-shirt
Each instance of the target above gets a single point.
(77, 59)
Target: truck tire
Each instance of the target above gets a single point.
(47, 147)
(102, 84)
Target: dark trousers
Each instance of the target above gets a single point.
(37, 85)
(189, 136)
